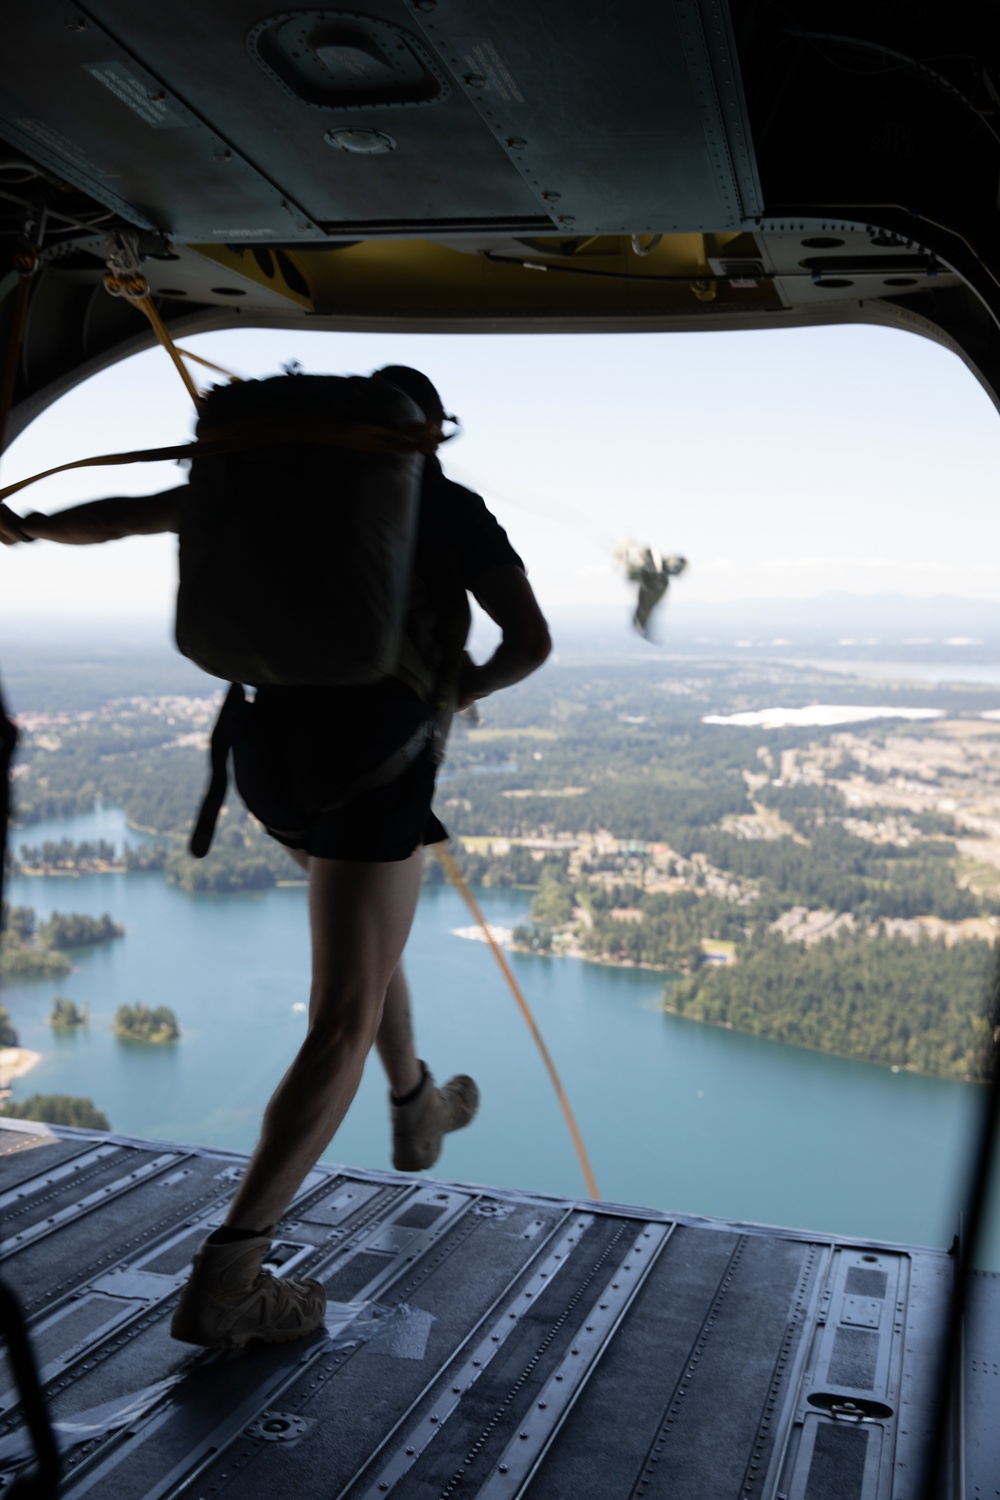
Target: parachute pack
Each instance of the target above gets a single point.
(296, 558)
(297, 538)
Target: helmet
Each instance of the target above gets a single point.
(418, 388)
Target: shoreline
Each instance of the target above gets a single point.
(670, 1010)
(500, 934)
(570, 950)
(874, 1062)
(604, 963)
(15, 1062)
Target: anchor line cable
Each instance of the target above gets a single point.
(447, 859)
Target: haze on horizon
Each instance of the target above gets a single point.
(785, 464)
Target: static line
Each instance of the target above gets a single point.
(447, 859)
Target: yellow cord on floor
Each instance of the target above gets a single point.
(447, 859)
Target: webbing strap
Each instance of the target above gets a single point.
(136, 290)
(222, 740)
(210, 365)
(360, 437)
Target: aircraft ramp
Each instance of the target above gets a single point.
(479, 1343)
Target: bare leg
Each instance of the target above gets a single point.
(395, 1038)
(360, 916)
(395, 1034)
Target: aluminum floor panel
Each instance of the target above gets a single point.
(982, 1387)
(478, 1343)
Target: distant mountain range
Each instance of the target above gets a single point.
(896, 627)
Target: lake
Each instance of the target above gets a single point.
(676, 1115)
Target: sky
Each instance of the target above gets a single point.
(783, 464)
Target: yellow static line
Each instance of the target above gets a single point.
(209, 365)
(447, 859)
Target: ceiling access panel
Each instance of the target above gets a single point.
(434, 165)
(90, 110)
(621, 119)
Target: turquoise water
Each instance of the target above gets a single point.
(675, 1115)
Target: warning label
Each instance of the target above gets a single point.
(142, 99)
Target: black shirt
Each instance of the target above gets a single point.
(458, 540)
(454, 519)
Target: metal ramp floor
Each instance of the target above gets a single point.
(479, 1343)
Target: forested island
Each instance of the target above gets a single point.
(831, 887)
(66, 1015)
(36, 950)
(142, 1023)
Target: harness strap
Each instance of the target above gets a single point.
(223, 734)
(222, 740)
(361, 437)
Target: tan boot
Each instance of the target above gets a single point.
(419, 1126)
(230, 1299)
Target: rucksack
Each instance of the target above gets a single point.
(255, 601)
(296, 558)
(297, 539)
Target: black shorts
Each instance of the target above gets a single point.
(296, 748)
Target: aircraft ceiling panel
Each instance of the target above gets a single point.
(213, 123)
(416, 163)
(90, 110)
(262, 84)
(622, 120)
